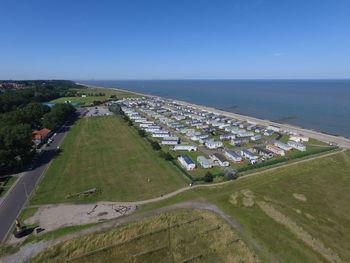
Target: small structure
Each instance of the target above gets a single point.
(218, 158)
(186, 162)
(283, 146)
(170, 141)
(298, 138)
(232, 155)
(262, 152)
(273, 128)
(41, 135)
(297, 145)
(204, 162)
(256, 137)
(214, 144)
(184, 147)
(274, 149)
(248, 155)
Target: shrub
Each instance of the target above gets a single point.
(208, 177)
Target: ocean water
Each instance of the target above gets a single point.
(322, 105)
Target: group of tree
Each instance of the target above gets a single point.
(21, 112)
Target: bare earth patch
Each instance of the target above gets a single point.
(300, 197)
(51, 217)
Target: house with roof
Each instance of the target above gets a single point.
(186, 162)
(184, 147)
(297, 145)
(214, 144)
(204, 162)
(283, 146)
(274, 149)
(232, 155)
(41, 135)
(248, 155)
(219, 159)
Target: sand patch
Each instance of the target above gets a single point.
(300, 197)
(316, 244)
(56, 216)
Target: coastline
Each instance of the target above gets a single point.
(321, 136)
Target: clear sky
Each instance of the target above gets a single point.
(174, 39)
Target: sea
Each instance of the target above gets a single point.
(322, 105)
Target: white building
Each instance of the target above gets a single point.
(275, 150)
(298, 138)
(273, 128)
(297, 145)
(256, 137)
(249, 155)
(170, 141)
(218, 158)
(232, 155)
(160, 134)
(184, 147)
(283, 146)
(214, 144)
(204, 162)
(186, 162)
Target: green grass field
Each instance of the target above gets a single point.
(88, 100)
(106, 153)
(176, 244)
(309, 199)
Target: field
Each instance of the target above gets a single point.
(295, 214)
(89, 99)
(160, 240)
(106, 153)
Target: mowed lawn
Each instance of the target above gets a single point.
(106, 153)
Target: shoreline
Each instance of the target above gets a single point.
(321, 136)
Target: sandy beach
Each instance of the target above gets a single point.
(339, 140)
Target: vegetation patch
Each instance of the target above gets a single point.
(107, 154)
(176, 236)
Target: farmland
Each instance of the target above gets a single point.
(106, 153)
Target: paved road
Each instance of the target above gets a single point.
(15, 199)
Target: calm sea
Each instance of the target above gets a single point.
(322, 105)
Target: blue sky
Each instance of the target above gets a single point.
(174, 39)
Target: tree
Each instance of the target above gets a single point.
(142, 133)
(15, 144)
(168, 157)
(208, 177)
(155, 146)
(57, 116)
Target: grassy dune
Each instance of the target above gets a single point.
(208, 237)
(106, 153)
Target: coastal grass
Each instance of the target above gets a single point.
(322, 213)
(167, 237)
(107, 154)
(120, 94)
